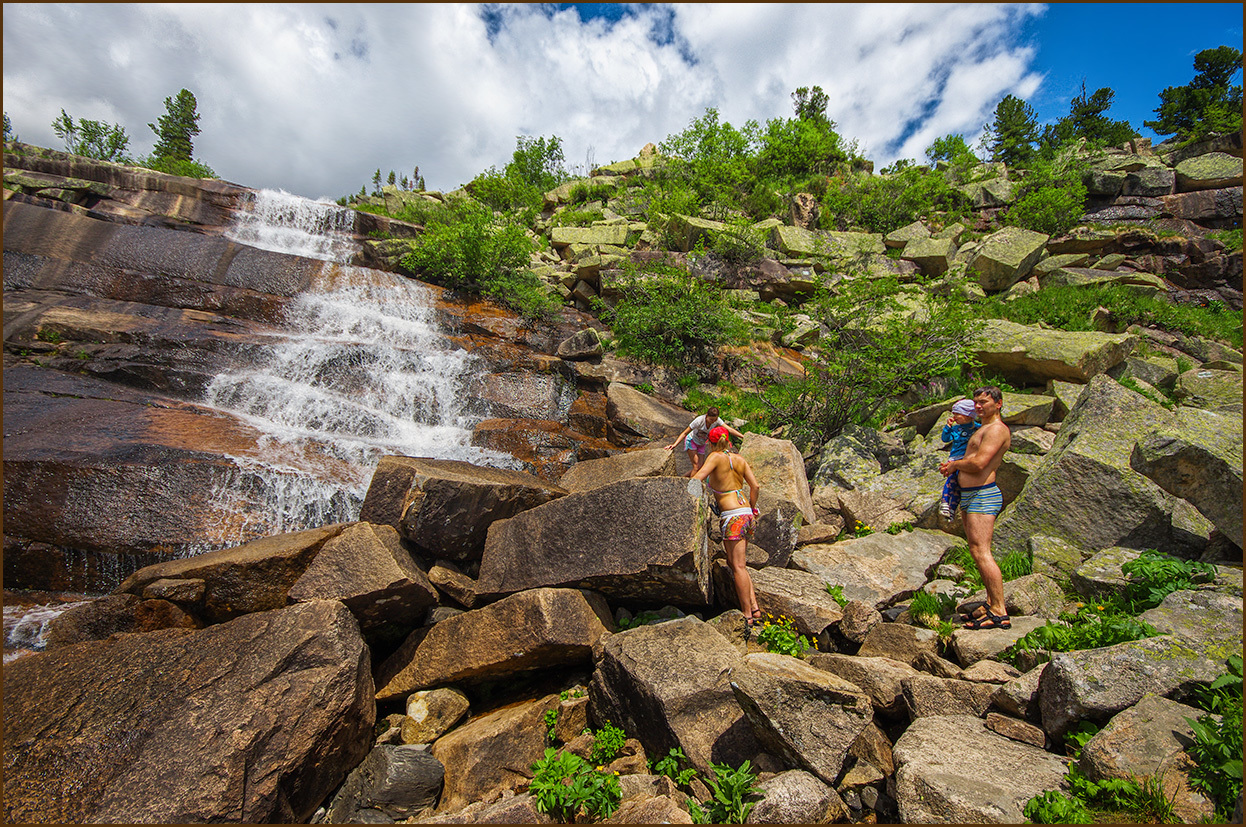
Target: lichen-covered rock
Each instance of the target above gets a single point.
(1215, 390)
(932, 255)
(1032, 354)
(1212, 171)
(878, 567)
(1006, 257)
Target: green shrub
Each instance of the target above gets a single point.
(1093, 802)
(588, 191)
(1231, 239)
(666, 316)
(885, 203)
(876, 348)
(729, 788)
(576, 218)
(1051, 210)
(837, 594)
(1071, 308)
(713, 158)
(1092, 626)
(779, 636)
(739, 243)
(670, 767)
(565, 786)
(1154, 576)
(793, 149)
(176, 166)
(607, 742)
(1217, 748)
(551, 720)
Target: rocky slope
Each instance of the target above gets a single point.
(402, 665)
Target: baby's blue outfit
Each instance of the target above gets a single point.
(959, 436)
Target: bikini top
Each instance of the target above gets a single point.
(739, 492)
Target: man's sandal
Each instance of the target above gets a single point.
(990, 621)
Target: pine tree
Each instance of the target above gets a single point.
(176, 128)
(393, 178)
(92, 139)
(810, 105)
(1086, 120)
(1209, 103)
(1013, 132)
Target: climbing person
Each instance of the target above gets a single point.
(981, 502)
(960, 426)
(695, 435)
(726, 475)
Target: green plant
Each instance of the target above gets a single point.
(928, 609)
(729, 788)
(176, 166)
(1209, 103)
(885, 203)
(779, 636)
(1053, 210)
(1092, 626)
(1217, 748)
(837, 594)
(646, 388)
(1111, 800)
(49, 335)
(1013, 132)
(607, 742)
(1054, 807)
(1231, 239)
(1157, 398)
(896, 528)
(670, 767)
(551, 720)
(1075, 739)
(564, 786)
(1015, 564)
(668, 317)
(92, 139)
(83, 355)
(881, 339)
(1154, 576)
(641, 619)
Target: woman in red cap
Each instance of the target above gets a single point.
(726, 475)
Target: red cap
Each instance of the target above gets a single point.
(718, 433)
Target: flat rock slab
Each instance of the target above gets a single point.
(1035, 355)
(446, 506)
(879, 678)
(530, 630)
(635, 412)
(879, 567)
(953, 770)
(254, 720)
(790, 592)
(973, 645)
(641, 539)
(594, 473)
(668, 685)
(1143, 740)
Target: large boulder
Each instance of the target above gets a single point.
(668, 685)
(594, 473)
(393, 783)
(797, 797)
(110, 614)
(790, 592)
(640, 539)
(1197, 456)
(532, 630)
(845, 463)
(1213, 171)
(1095, 684)
(254, 577)
(1028, 355)
(881, 679)
(366, 567)
(492, 752)
(1006, 257)
(1085, 493)
(1214, 390)
(952, 770)
(805, 716)
(613, 235)
(780, 470)
(446, 506)
(801, 243)
(879, 567)
(932, 255)
(255, 720)
(637, 413)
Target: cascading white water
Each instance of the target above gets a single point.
(364, 370)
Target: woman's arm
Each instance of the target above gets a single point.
(679, 438)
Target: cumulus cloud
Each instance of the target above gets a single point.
(313, 98)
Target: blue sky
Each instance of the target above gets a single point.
(312, 98)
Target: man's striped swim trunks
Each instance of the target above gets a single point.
(981, 499)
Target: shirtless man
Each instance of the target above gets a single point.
(981, 501)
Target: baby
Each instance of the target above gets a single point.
(960, 426)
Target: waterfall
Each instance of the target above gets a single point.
(362, 369)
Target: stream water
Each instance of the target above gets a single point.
(363, 368)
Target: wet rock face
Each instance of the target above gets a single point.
(255, 720)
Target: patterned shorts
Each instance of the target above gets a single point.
(691, 444)
(981, 499)
(737, 524)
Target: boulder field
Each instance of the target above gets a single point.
(411, 664)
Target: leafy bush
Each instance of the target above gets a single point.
(1053, 210)
(1154, 576)
(1231, 239)
(792, 149)
(176, 166)
(1012, 565)
(1092, 626)
(885, 203)
(1217, 748)
(666, 316)
(837, 594)
(779, 636)
(607, 742)
(713, 159)
(1089, 801)
(739, 242)
(876, 349)
(564, 786)
(670, 767)
(928, 609)
(91, 139)
(576, 218)
(588, 191)
(1071, 307)
(729, 789)
(551, 720)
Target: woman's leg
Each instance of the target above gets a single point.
(747, 598)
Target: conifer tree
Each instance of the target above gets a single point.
(1208, 103)
(1013, 132)
(176, 127)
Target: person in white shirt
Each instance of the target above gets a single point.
(696, 436)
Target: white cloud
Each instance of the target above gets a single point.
(313, 98)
